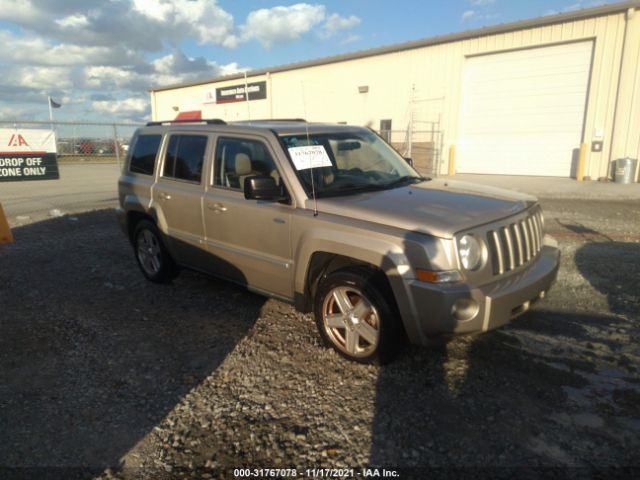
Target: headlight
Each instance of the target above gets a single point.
(470, 252)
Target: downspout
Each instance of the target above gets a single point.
(270, 94)
(613, 151)
(153, 106)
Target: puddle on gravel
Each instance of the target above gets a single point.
(456, 365)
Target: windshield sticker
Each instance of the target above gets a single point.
(309, 156)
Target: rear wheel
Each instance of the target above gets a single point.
(355, 316)
(152, 256)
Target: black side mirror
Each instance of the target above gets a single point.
(409, 160)
(261, 187)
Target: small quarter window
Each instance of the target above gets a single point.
(143, 157)
(185, 157)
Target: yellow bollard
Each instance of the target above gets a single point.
(452, 160)
(5, 231)
(581, 159)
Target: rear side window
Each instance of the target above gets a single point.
(143, 157)
(185, 157)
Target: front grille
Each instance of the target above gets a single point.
(515, 244)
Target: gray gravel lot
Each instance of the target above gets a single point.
(109, 375)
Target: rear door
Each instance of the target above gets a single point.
(178, 196)
(249, 238)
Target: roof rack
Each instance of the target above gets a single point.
(209, 121)
(273, 120)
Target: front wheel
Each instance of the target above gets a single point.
(355, 315)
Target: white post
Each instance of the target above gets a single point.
(50, 111)
(51, 121)
(116, 145)
(246, 96)
(410, 140)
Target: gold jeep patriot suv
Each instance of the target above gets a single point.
(333, 220)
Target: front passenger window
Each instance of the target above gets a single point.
(237, 159)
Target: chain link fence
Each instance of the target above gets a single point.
(79, 142)
(100, 146)
(424, 147)
(103, 146)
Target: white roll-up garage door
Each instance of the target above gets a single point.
(522, 112)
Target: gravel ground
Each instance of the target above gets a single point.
(105, 374)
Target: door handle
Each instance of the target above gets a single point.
(164, 196)
(217, 207)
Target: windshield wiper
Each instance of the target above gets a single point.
(353, 188)
(405, 179)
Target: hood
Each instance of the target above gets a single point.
(435, 207)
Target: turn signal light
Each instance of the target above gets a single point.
(438, 276)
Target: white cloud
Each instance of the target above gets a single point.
(482, 3)
(282, 24)
(468, 15)
(22, 12)
(39, 78)
(475, 17)
(138, 24)
(170, 69)
(127, 108)
(73, 21)
(580, 4)
(75, 84)
(335, 23)
(92, 52)
(29, 50)
(20, 112)
(149, 25)
(203, 19)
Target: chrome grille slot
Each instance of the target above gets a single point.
(498, 266)
(527, 240)
(507, 236)
(514, 244)
(518, 237)
(534, 239)
(538, 227)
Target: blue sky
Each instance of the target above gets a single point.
(99, 57)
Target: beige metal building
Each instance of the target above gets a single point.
(547, 96)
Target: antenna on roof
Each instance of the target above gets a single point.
(306, 126)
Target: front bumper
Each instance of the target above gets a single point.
(432, 305)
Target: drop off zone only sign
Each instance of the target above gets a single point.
(27, 154)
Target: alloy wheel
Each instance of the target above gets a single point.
(351, 321)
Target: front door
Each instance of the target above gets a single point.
(249, 238)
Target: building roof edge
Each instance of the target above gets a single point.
(425, 42)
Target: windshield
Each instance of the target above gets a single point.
(347, 162)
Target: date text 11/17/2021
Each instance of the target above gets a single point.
(315, 473)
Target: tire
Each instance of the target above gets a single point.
(152, 256)
(356, 315)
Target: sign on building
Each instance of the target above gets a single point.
(236, 93)
(27, 154)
